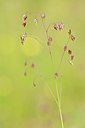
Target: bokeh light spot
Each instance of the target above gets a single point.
(31, 47)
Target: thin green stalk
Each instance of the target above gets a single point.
(59, 105)
(57, 101)
(58, 98)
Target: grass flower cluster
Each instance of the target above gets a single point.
(56, 26)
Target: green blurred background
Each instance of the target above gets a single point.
(21, 104)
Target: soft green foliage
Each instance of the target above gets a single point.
(21, 104)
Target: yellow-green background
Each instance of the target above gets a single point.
(22, 105)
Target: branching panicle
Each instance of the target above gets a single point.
(58, 26)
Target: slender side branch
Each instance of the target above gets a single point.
(46, 31)
(62, 56)
(42, 77)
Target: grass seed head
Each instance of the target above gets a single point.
(71, 62)
(33, 65)
(24, 17)
(35, 20)
(22, 39)
(65, 47)
(69, 32)
(43, 15)
(49, 40)
(72, 37)
(24, 23)
(69, 52)
(56, 26)
(56, 75)
(72, 57)
(25, 63)
(59, 26)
